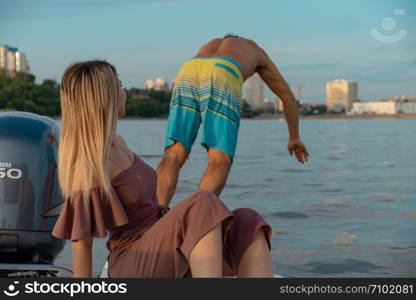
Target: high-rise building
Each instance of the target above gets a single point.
(3, 57)
(340, 94)
(21, 62)
(13, 60)
(255, 92)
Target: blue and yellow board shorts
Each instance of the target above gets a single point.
(207, 90)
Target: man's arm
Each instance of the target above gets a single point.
(275, 81)
(82, 258)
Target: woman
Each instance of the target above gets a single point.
(108, 188)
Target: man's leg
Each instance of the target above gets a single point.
(168, 172)
(215, 175)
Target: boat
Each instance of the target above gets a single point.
(30, 197)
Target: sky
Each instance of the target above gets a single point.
(311, 42)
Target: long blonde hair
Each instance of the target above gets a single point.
(89, 102)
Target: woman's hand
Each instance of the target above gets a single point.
(295, 145)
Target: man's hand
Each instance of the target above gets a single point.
(296, 145)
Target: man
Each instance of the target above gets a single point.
(207, 90)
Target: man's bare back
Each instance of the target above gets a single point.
(244, 51)
(252, 59)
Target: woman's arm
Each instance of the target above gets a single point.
(82, 258)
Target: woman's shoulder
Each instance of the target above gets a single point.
(121, 144)
(121, 157)
(120, 140)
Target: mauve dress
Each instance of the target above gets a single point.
(150, 240)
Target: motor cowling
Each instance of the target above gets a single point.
(30, 197)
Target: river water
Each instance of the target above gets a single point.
(349, 211)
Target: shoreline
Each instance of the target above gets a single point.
(318, 117)
(343, 116)
(281, 116)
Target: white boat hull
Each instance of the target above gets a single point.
(104, 273)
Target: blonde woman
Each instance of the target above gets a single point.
(110, 189)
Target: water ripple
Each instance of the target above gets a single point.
(331, 190)
(289, 215)
(345, 238)
(344, 266)
(296, 171)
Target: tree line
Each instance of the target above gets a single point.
(19, 91)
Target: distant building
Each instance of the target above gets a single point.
(21, 62)
(255, 92)
(280, 107)
(374, 107)
(340, 94)
(279, 104)
(406, 107)
(270, 105)
(305, 108)
(150, 83)
(389, 106)
(3, 57)
(158, 84)
(13, 60)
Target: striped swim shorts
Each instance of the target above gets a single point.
(207, 90)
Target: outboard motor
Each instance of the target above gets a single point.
(30, 197)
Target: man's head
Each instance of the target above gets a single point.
(230, 35)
